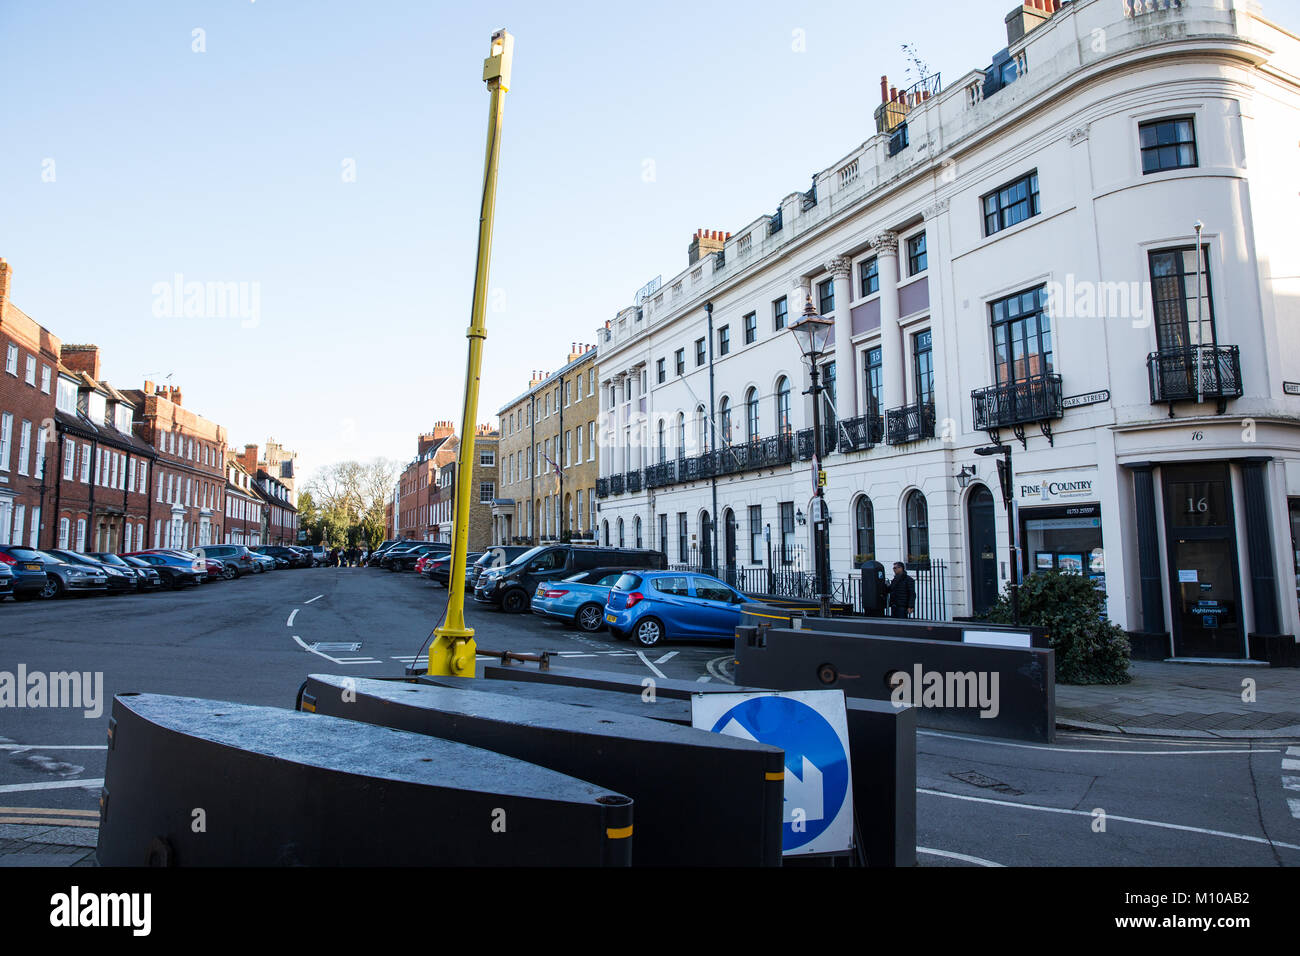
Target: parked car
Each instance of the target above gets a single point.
(146, 577)
(264, 562)
(511, 588)
(404, 560)
(578, 599)
(318, 555)
(654, 606)
(306, 553)
(175, 571)
(120, 581)
(293, 559)
(6, 582)
(197, 564)
(216, 570)
(66, 577)
(377, 556)
(497, 556)
(439, 569)
(28, 569)
(236, 557)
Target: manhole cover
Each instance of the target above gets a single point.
(977, 779)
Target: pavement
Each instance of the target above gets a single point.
(1226, 701)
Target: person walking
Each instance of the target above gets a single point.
(902, 592)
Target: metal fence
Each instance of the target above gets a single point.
(931, 585)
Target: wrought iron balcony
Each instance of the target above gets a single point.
(664, 473)
(616, 484)
(1014, 405)
(633, 482)
(1178, 375)
(804, 441)
(753, 455)
(602, 487)
(861, 433)
(909, 423)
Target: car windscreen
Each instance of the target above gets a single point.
(49, 558)
(110, 559)
(628, 582)
(27, 554)
(525, 557)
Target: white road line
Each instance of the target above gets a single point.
(1294, 804)
(292, 615)
(1111, 816)
(1293, 751)
(53, 746)
(1290, 764)
(703, 680)
(1291, 783)
(316, 598)
(1089, 750)
(717, 671)
(51, 785)
(359, 660)
(667, 657)
(977, 860)
(646, 661)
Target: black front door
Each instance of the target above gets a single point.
(706, 543)
(729, 548)
(982, 532)
(1202, 547)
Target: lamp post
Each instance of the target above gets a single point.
(813, 333)
(1005, 477)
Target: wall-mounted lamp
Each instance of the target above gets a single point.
(966, 475)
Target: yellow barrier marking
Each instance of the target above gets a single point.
(309, 706)
(773, 617)
(43, 810)
(777, 775)
(51, 821)
(618, 833)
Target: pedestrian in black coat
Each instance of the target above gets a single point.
(902, 592)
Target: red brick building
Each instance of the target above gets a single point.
(243, 506)
(189, 481)
(419, 495)
(29, 357)
(99, 472)
(279, 512)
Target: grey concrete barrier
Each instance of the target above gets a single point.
(194, 782)
(969, 632)
(971, 688)
(702, 799)
(882, 742)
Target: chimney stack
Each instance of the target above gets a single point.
(706, 242)
(443, 429)
(6, 276)
(1027, 17)
(81, 358)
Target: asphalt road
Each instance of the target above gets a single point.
(1090, 799)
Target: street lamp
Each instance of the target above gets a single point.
(965, 476)
(814, 334)
(1005, 479)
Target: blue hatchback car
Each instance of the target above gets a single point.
(654, 606)
(578, 599)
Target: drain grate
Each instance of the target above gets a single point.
(977, 779)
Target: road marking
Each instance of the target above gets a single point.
(292, 615)
(1089, 750)
(316, 598)
(703, 680)
(53, 747)
(716, 670)
(51, 785)
(1291, 764)
(1294, 804)
(1293, 751)
(667, 657)
(46, 811)
(646, 661)
(1291, 783)
(1111, 816)
(978, 861)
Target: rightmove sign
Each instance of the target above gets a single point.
(812, 728)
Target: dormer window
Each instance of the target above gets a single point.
(66, 400)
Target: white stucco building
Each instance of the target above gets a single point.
(1009, 254)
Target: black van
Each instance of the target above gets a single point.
(511, 588)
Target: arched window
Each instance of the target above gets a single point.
(605, 532)
(751, 415)
(724, 423)
(620, 532)
(706, 542)
(663, 448)
(681, 434)
(918, 531)
(636, 529)
(783, 406)
(701, 436)
(864, 532)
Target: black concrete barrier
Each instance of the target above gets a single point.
(207, 783)
(882, 742)
(967, 632)
(702, 799)
(978, 689)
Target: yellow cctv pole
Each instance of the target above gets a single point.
(452, 652)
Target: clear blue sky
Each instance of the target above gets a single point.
(226, 166)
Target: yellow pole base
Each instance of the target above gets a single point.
(453, 652)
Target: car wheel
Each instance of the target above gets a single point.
(515, 601)
(590, 617)
(648, 632)
(53, 588)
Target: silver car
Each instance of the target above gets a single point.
(63, 578)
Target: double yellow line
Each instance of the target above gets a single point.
(50, 817)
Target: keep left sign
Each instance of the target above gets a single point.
(811, 726)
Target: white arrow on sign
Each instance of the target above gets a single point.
(805, 794)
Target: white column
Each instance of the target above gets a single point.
(846, 377)
(892, 373)
(634, 417)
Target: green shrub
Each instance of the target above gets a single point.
(1089, 648)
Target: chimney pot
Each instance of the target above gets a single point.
(884, 89)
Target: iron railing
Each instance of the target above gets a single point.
(1174, 373)
(633, 482)
(909, 423)
(1036, 399)
(616, 484)
(804, 441)
(664, 473)
(602, 487)
(861, 433)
